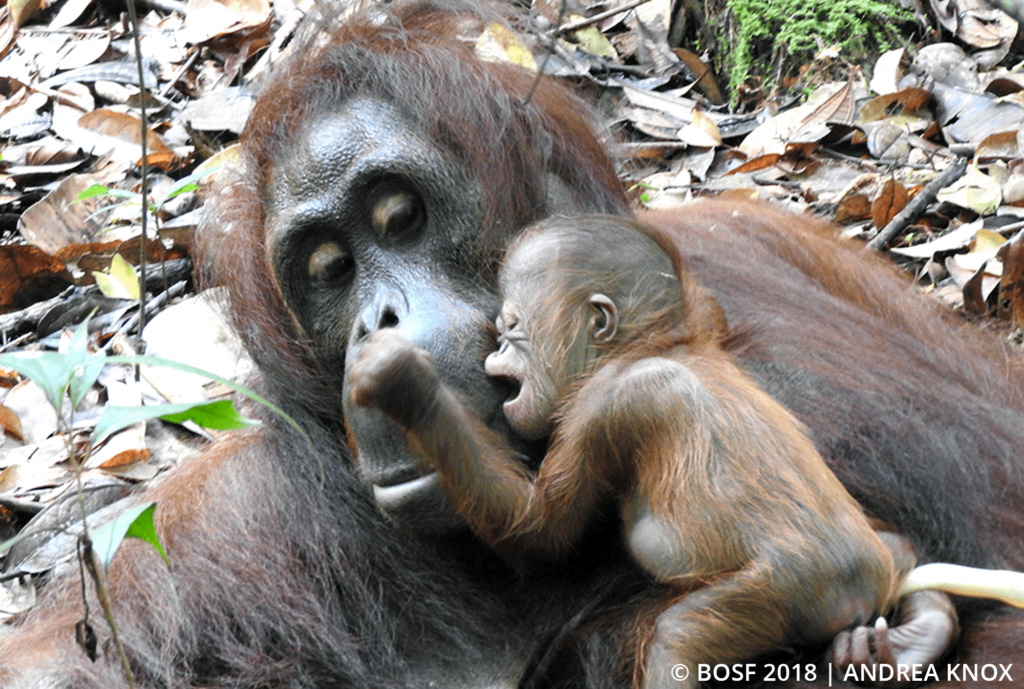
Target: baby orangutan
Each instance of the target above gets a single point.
(615, 355)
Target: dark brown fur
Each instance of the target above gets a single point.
(282, 571)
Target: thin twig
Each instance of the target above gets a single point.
(917, 205)
(99, 577)
(547, 57)
(165, 92)
(133, 18)
(588, 21)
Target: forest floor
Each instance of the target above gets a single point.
(916, 151)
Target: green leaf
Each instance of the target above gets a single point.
(85, 368)
(51, 371)
(55, 372)
(121, 282)
(135, 523)
(144, 360)
(219, 415)
(84, 377)
(185, 185)
(93, 191)
(101, 190)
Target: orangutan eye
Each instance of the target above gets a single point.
(397, 214)
(329, 262)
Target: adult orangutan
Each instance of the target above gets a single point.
(386, 169)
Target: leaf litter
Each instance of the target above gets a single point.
(858, 149)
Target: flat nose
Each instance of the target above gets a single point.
(387, 310)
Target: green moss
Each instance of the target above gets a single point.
(777, 36)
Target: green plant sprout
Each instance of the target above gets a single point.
(184, 185)
(68, 376)
(71, 374)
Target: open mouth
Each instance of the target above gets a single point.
(514, 389)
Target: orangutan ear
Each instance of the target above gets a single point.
(604, 322)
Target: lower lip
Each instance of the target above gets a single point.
(401, 493)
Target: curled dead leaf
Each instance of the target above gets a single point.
(975, 191)
(853, 208)
(11, 424)
(889, 201)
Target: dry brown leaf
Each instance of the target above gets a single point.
(702, 132)
(838, 108)
(121, 450)
(11, 424)
(37, 416)
(759, 163)
(221, 164)
(853, 208)
(976, 290)
(8, 377)
(223, 110)
(1013, 185)
(802, 124)
(1011, 285)
(706, 81)
(976, 191)
(1006, 84)
(650, 22)
(125, 457)
(206, 19)
(60, 219)
(22, 10)
(123, 127)
(889, 201)
(1001, 145)
(667, 189)
(69, 13)
(166, 160)
(956, 239)
(909, 101)
(25, 477)
(29, 274)
(86, 48)
(975, 22)
(969, 116)
(8, 31)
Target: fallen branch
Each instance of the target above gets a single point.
(19, 322)
(918, 204)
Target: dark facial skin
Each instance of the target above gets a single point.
(363, 234)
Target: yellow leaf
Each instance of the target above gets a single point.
(120, 282)
(22, 10)
(594, 42)
(499, 44)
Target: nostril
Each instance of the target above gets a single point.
(388, 319)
